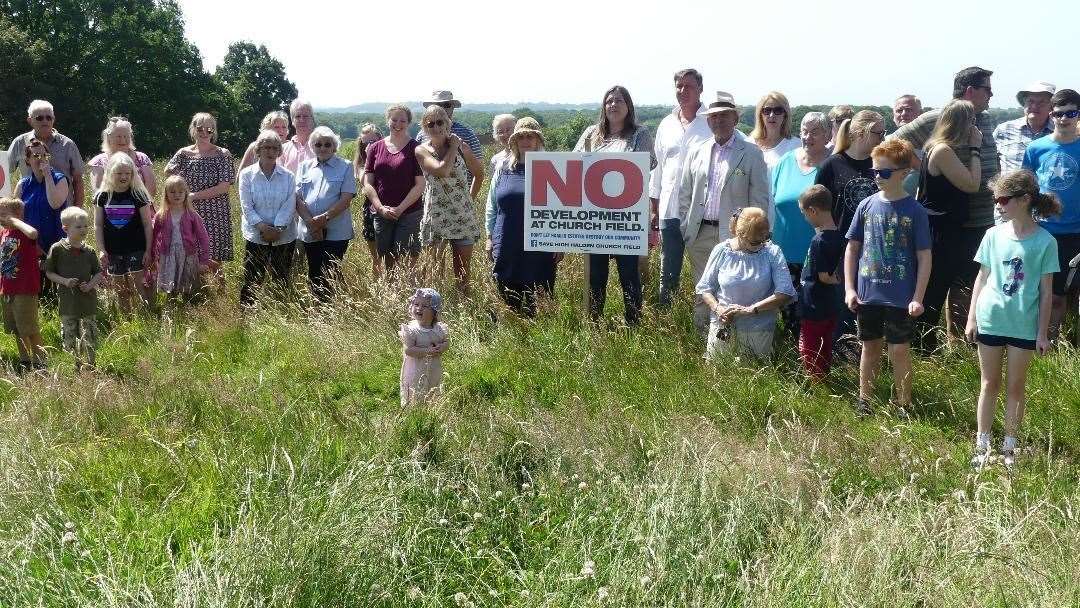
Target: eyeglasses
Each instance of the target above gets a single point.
(43, 156)
(773, 111)
(323, 144)
(768, 235)
(884, 173)
(1065, 113)
(431, 124)
(44, 118)
(271, 148)
(207, 130)
(984, 87)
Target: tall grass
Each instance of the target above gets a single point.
(227, 458)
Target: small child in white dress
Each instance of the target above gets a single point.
(423, 341)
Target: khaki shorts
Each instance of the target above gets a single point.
(21, 315)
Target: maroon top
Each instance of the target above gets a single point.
(395, 174)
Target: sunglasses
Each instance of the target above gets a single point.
(43, 118)
(773, 111)
(431, 124)
(1005, 200)
(1065, 113)
(984, 87)
(323, 144)
(884, 173)
(768, 236)
(44, 156)
(206, 130)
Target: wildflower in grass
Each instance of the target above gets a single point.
(602, 594)
(413, 594)
(443, 521)
(588, 569)
(477, 516)
(525, 487)
(646, 580)
(461, 599)
(582, 486)
(498, 494)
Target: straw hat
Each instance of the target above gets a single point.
(526, 125)
(725, 102)
(441, 98)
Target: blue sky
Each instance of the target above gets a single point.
(826, 52)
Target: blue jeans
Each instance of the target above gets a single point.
(672, 247)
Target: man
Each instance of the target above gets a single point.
(1055, 160)
(297, 150)
(686, 127)
(720, 175)
(905, 109)
(65, 154)
(954, 270)
(445, 99)
(1013, 136)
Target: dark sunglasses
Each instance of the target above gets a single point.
(884, 173)
(768, 235)
(773, 111)
(206, 130)
(1004, 200)
(44, 118)
(44, 156)
(984, 87)
(323, 144)
(1065, 113)
(431, 124)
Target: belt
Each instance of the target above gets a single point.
(711, 222)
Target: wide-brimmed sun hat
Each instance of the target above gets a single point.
(442, 98)
(1035, 87)
(525, 125)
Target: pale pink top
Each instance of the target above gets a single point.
(293, 153)
(420, 376)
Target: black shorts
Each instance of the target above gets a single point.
(878, 321)
(992, 340)
(1068, 248)
(368, 231)
(124, 263)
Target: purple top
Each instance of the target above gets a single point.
(99, 161)
(394, 174)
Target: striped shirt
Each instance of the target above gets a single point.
(916, 133)
(718, 170)
(1013, 137)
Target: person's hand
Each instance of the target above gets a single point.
(1042, 346)
(273, 234)
(971, 330)
(453, 141)
(852, 300)
(148, 259)
(86, 287)
(6, 222)
(391, 213)
(914, 308)
(103, 258)
(377, 208)
(317, 222)
(72, 282)
(975, 137)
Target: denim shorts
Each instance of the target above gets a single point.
(125, 263)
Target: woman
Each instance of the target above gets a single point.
(369, 134)
(118, 136)
(276, 121)
(44, 194)
(325, 186)
(616, 130)
(848, 173)
(268, 217)
(394, 183)
(945, 190)
(772, 128)
(519, 275)
(449, 216)
(209, 171)
(745, 282)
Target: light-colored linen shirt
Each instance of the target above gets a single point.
(65, 158)
(671, 144)
(718, 170)
(773, 155)
(1012, 138)
(745, 278)
(293, 153)
(267, 201)
(320, 185)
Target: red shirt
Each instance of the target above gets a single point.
(19, 271)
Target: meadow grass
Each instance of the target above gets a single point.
(223, 457)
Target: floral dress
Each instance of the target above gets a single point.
(420, 376)
(178, 272)
(202, 172)
(448, 207)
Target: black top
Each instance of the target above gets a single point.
(946, 204)
(123, 227)
(819, 300)
(849, 181)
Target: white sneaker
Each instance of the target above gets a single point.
(981, 457)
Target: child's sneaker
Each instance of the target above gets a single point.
(981, 458)
(863, 408)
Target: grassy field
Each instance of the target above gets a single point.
(221, 458)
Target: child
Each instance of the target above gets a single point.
(423, 340)
(122, 228)
(20, 282)
(817, 300)
(886, 268)
(1011, 302)
(77, 272)
(181, 245)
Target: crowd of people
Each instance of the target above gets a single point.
(852, 238)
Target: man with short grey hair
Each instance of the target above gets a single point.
(1013, 136)
(905, 109)
(64, 154)
(296, 150)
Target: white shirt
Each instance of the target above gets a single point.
(774, 154)
(670, 146)
(271, 201)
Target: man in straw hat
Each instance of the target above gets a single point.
(445, 99)
(720, 176)
(1013, 136)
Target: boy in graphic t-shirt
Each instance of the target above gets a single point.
(1055, 161)
(20, 282)
(818, 303)
(886, 268)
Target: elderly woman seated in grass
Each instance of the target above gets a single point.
(745, 282)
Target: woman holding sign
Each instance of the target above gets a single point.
(519, 274)
(616, 131)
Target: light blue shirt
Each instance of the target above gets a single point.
(791, 231)
(1009, 302)
(1057, 167)
(320, 185)
(268, 201)
(746, 278)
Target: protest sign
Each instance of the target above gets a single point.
(5, 179)
(587, 202)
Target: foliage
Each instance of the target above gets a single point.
(254, 83)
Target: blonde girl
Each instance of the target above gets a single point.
(122, 228)
(181, 245)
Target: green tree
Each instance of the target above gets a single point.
(252, 83)
(20, 59)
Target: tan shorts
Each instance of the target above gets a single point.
(21, 315)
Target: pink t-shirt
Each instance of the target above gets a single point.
(394, 174)
(293, 153)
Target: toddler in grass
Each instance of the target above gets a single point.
(75, 268)
(423, 341)
(181, 245)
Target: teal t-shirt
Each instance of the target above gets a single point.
(1009, 302)
(791, 230)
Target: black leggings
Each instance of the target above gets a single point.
(324, 267)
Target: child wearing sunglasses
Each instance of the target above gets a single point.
(1055, 161)
(886, 269)
(1010, 303)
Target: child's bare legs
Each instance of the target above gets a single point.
(990, 363)
(1019, 360)
(900, 357)
(869, 362)
(462, 254)
(125, 292)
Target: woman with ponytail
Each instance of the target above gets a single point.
(848, 173)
